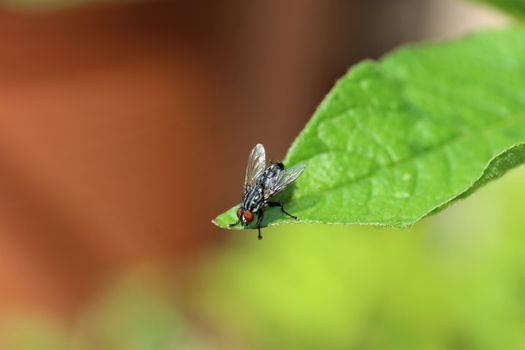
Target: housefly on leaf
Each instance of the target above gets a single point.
(261, 183)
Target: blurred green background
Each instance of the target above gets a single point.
(124, 130)
(455, 281)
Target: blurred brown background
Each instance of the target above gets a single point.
(124, 127)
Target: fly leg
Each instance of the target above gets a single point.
(277, 204)
(259, 222)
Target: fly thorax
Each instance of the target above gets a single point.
(253, 199)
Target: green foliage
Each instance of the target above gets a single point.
(456, 281)
(514, 7)
(398, 139)
(133, 319)
(139, 312)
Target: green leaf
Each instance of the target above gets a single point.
(514, 7)
(401, 138)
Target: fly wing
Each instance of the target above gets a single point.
(285, 178)
(255, 166)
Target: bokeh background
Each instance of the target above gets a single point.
(124, 129)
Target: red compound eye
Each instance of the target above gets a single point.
(239, 212)
(248, 216)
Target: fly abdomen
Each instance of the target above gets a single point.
(271, 175)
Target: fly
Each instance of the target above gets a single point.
(261, 183)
